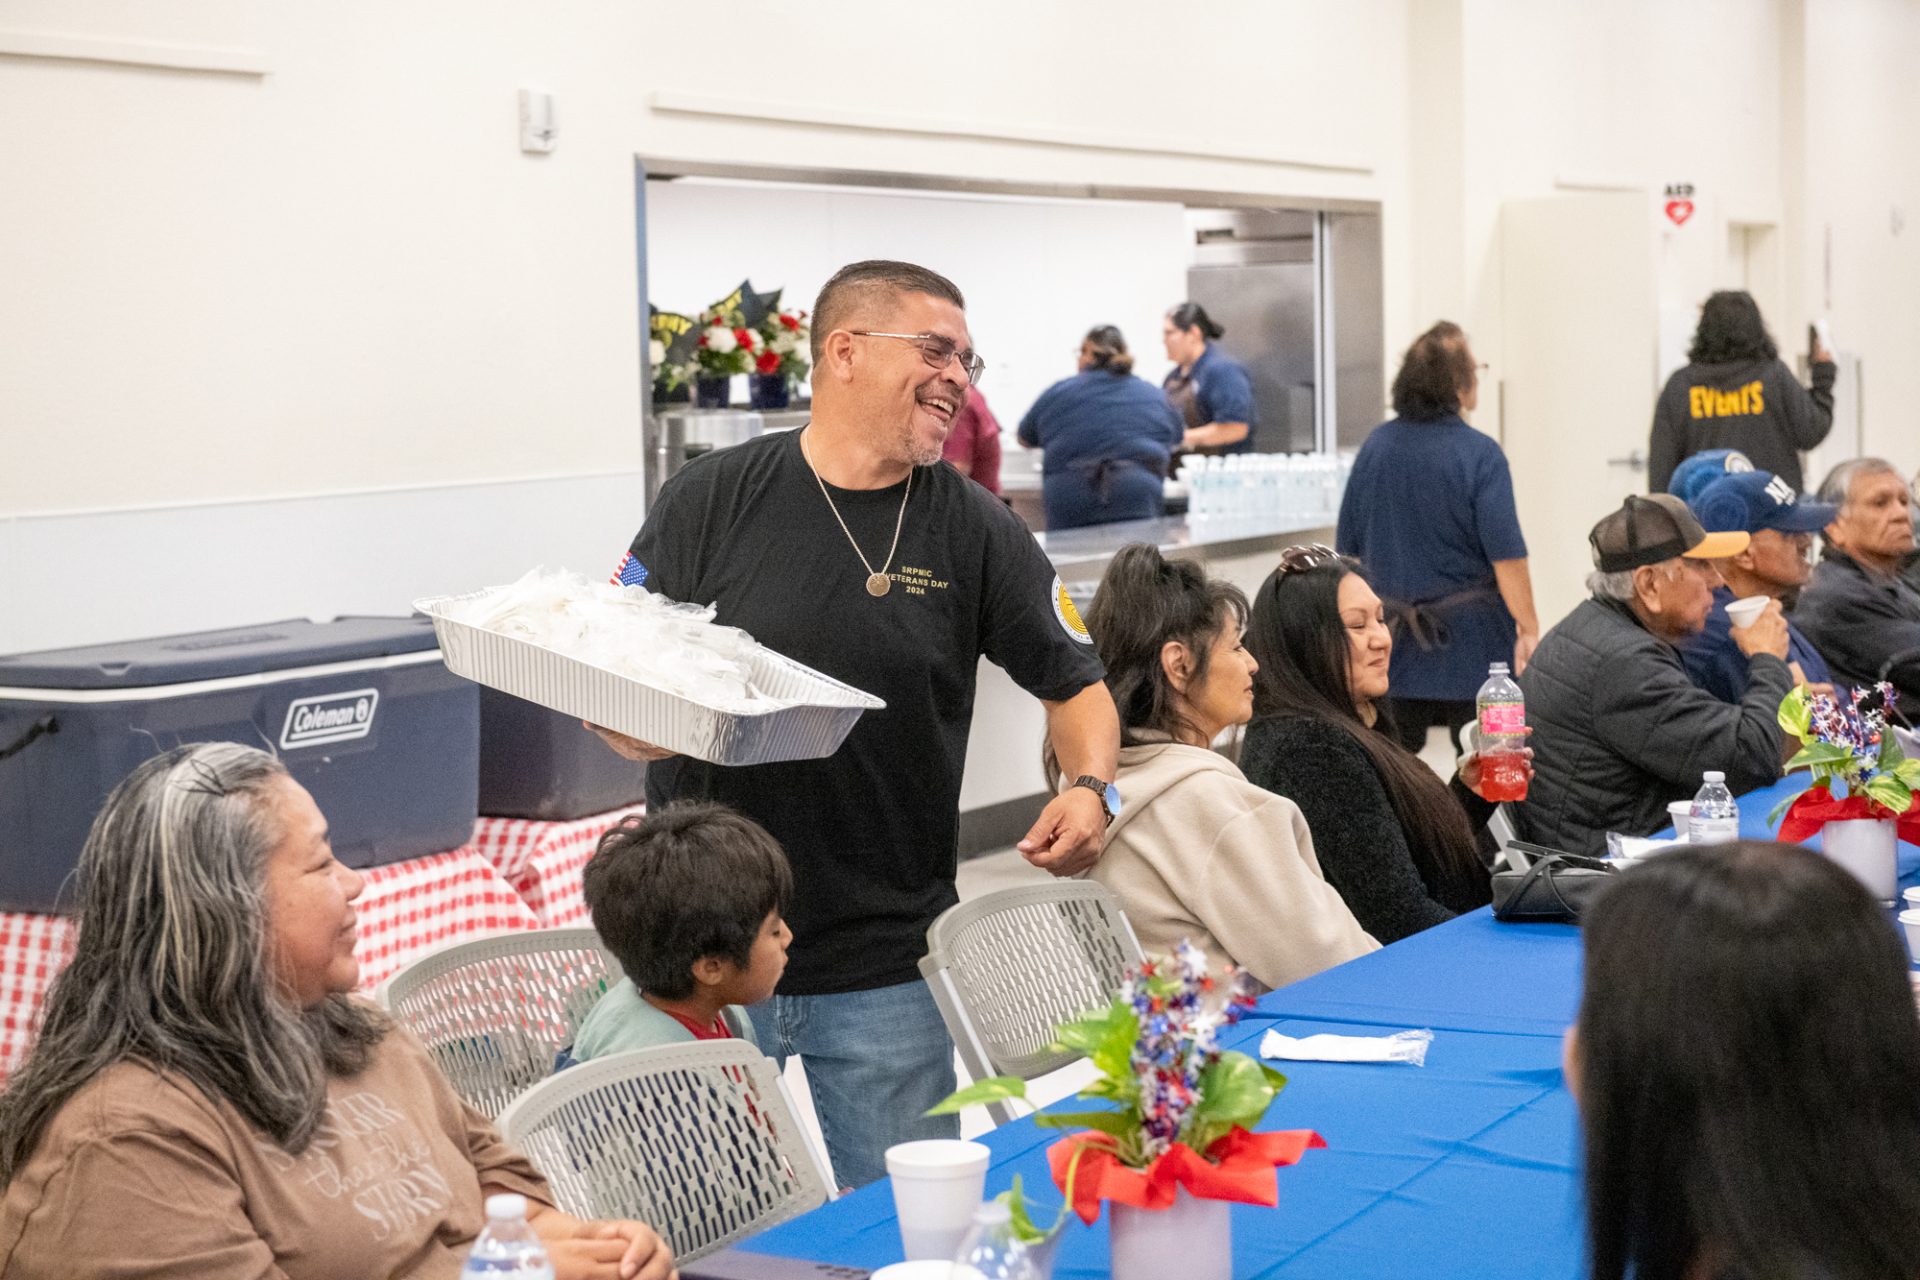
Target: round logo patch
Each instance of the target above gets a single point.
(1069, 616)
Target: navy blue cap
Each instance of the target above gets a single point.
(1702, 469)
(1756, 500)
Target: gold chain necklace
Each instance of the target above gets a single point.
(878, 583)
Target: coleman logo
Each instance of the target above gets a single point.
(333, 717)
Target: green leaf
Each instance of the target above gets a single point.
(1235, 1090)
(1890, 753)
(1274, 1078)
(1891, 792)
(992, 1089)
(1105, 1038)
(1796, 713)
(1908, 771)
(1120, 1124)
(1780, 810)
(1819, 753)
(1016, 1202)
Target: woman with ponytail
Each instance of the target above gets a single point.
(1107, 436)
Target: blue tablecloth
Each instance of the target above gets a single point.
(1430, 1170)
(1464, 1167)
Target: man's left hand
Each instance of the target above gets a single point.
(1070, 834)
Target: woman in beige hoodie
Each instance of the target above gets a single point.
(1198, 852)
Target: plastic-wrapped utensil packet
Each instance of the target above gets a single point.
(629, 631)
(1401, 1046)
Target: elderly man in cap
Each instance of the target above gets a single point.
(1857, 611)
(1619, 729)
(1773, 567)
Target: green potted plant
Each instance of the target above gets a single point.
(1863, 783)
(1175, 1145)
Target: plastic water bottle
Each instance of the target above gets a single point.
(1715, 818)
(991, 1251)
(1503, 736)
(508, 1249)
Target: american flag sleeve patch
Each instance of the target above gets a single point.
(629, 572)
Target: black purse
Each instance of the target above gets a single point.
(1554, 890)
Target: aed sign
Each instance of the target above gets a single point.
(1679, 203)
(332, 717)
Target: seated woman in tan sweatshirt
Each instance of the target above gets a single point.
(208, 1100)
(1198, 852)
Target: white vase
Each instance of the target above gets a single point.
(1865, 847)
(1192, 1239)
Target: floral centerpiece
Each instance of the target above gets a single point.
(784, 357)
(1180, 1122)
(1860, 775)
(726, 346)
(1858, 768)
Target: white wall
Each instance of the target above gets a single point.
(1862, 202)
(327, 269)
(1037, 274)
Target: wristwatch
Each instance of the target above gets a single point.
(1109, 794)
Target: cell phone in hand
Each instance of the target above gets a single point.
(1819, 338)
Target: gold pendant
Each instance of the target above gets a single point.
(878, 584)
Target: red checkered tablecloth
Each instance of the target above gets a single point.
(516, 874)
(413, 907)
(542, 860)
(32, 950)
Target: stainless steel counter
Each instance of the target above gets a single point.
(1207, 537)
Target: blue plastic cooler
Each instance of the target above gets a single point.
(361, 710)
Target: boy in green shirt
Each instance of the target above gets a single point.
(690, 900)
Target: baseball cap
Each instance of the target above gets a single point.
(1647, 530)
(1703, 468)
(1759, 500)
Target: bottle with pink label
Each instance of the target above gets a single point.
(1503, 736)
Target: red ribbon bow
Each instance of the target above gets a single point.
(1816, 807)
(1240, 1166)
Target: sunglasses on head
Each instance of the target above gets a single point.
(1303, 556)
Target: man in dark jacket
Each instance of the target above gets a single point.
(1619, 730)
(1857, 611)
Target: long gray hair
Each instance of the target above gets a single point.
(170, 968)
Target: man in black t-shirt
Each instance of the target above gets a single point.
(849, 546)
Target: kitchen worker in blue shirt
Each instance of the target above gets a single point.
(1107, 437)
(1209, 388)
(849, 546)
(1429, 510)
(1775, 564)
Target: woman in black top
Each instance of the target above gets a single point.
(1400, 846)
(1736, 393)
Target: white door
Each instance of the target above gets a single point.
(1580, 345)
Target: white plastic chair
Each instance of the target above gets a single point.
(699, 1141)
(1008, 968)
(495, 1012)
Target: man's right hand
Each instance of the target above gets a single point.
(631, 748)
(1768, 634)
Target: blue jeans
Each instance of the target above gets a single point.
(875, 1060)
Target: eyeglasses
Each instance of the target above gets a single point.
(936, 351)
(1306, 555)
